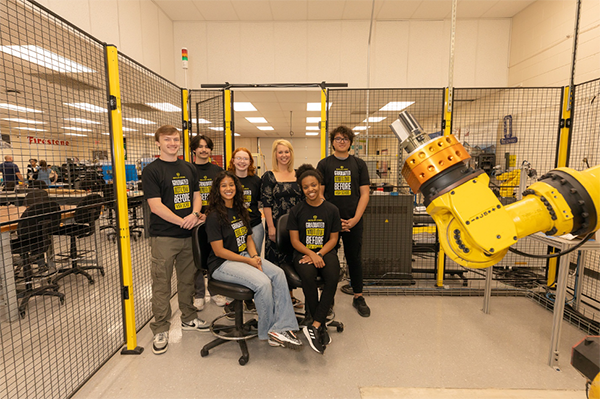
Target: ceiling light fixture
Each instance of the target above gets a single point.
(29, 128)
(87, 107)
(265, 127)
(12, 107)
(256, 119)
(375, 118)
(220, 129)
(360, 127)
(77, 129)
(80, 120)
(140, 121)
(200, 121)
(75, 134)
(237, 134)
(316, 106)
(397, 105)
(21, 120)
(45, 58)
(312, 128)
(166, 107)
(128, 129)
(312, 133)
(313, 119)
(243, 107)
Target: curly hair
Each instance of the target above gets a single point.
(344, 131)
(306, 170)
(251, 167)
(217, 204)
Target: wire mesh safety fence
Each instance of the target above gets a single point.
(54, 125)
(148, 102)
(208, 119)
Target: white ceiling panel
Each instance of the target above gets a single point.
(473, 8)
(433, 9)
(357, 9)
(507, 8)
(395, 10)
(291, 10)
(253, 10)
(320, 10)
(180, 10)
(220, 10)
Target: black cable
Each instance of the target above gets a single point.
(549, 256)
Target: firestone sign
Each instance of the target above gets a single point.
(33, 140)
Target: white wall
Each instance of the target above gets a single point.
(542, 43)
(403, 53)
(138, 28)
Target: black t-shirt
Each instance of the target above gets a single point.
(233, 235)
(343, 179)
(206, 174)
(174, 183)
(314, 224)
(252, 186)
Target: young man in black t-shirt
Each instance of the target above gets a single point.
(171, 189)
(202, 147)
(347, 187)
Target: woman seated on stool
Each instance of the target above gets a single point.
(314, 226)
(234, 259)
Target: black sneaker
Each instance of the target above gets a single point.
(325, 338)
(314, 338)
(229, 310)
(361, 306)
(249, 306)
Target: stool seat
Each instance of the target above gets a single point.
(230, 290)
(293, 278)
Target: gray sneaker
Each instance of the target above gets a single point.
(195, 325)
(161, 343)
(286, 338)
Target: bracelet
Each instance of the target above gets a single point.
(254, 256)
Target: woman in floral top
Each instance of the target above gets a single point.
(280, 192)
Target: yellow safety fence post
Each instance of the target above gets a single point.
(323, 123)
(116, 127)
(186, 125)
(228, 132)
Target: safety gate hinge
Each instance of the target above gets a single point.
(112, 103)
(185, 125)
(565, 123)
(125, 292)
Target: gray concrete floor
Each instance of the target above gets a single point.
(408, 342)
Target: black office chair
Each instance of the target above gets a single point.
(240, 331)
(34, 237)
(86, 214)
(135, 230)
(38, 184)
(284, 245)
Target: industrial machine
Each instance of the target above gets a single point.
(585, 358)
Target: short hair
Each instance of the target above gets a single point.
(306, 170)
(165, 130)
(195, 143)
(344, 131)
(274, 160)
(7, 157)
(251, 167)
(32, 159)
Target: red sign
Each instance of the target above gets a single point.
(33, 140)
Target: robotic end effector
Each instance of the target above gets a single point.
(475, 229)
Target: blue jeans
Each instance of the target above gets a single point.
(258, 236)
(271, 295)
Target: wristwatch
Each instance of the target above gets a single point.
(320, 254)
(197, 214)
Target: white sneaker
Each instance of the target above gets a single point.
(161, 343)
(195, 325)
(206, 297)
(199, 303)
(220, 300)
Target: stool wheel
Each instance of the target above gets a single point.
(340, 327)
(203, 352)
(243, 360)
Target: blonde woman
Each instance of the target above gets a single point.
(280, 193)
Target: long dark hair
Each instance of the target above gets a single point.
(217, 204)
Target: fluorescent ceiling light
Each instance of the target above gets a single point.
(166, 107)
(79, 120)
(265, 127)
(313, 119)
(12, 107)
(240, 107)
(106, 134)
(75, 134)
(237, 134)
(360, 128)
(45, 58)
(312, 128)
(312, 133)
(257, 119)
(77, 129)
(140, 121)
(375, 118)
(128, 129)
(397, 105)
(220, 129)
(21, 120)
(29, 128)
(87, 107)
(149, 134)
(316, 106)
(200, 121)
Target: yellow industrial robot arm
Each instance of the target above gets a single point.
(475, 229)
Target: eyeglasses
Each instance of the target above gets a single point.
(241, 159)
(341, 139)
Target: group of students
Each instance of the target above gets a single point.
(42, 172)
(325, 205)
